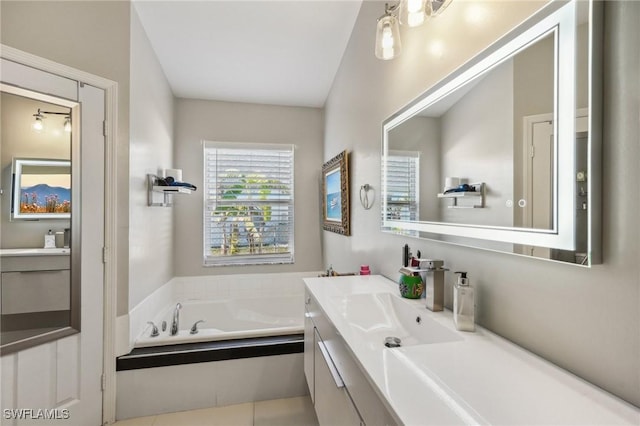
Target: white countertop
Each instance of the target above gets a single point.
(35, 252)
(473, 378)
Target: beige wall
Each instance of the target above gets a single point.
(91, 36)
(585, 320)
(151, 242)
(196, 120)
(477, 146)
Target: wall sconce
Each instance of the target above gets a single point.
(406, 12)
(38, 124)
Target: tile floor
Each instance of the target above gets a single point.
(278, 412)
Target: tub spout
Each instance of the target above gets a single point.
(176, 319)
(194, 329)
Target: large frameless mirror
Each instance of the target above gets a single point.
(504, 153)
(39, 216)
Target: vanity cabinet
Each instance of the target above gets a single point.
(33, 284)
(340, 390)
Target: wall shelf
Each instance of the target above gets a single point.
(478, 194)
(167, 192)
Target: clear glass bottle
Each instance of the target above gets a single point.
(463, 304)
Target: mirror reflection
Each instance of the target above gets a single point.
(35, 215)
(486, 153)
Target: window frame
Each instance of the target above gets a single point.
(246, 148)
(413, 204)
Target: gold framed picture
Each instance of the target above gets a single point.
(335, 194)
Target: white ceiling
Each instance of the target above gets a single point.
(267, 52)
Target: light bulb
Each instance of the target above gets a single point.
(38, 125)
(387, 37)
(67, 124)
(412, 12)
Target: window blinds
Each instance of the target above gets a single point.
(248, 208)
(403, 172)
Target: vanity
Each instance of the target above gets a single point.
(35, 291)
(437, 375)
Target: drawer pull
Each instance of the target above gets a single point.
(332, 368)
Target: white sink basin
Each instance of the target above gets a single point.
(381, 315)
(35, 252)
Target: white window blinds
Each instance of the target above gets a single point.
(248, 208)
(403, 180)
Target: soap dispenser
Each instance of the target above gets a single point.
(463, 304)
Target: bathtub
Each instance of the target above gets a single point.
(228, 319)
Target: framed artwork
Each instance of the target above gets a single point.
(335, 194)
(41, 189)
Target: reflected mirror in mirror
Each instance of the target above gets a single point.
(39, 281)
(488, 157)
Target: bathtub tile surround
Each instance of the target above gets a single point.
(144, 392)
(153, 391)
(211, 287)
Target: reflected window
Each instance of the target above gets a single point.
(403, 184)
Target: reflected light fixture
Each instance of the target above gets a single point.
(67, 124)
(38, 124)
(411, 13)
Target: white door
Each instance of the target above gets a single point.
(62, 378)
(541, 197)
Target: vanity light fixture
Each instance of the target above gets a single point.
(38, 124)
(406, 12)
(388, 44)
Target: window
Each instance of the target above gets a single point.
(403, 170)
(248, 206)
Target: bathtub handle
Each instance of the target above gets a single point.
(154, 329)
(194, 328)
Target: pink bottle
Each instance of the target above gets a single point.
(364, 270)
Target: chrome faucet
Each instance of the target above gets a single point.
(176, 319)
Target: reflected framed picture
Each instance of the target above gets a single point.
(335, 194)
(41, 189)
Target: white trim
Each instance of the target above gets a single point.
(111, 243)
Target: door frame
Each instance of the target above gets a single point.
(527, 141)
(110, 88)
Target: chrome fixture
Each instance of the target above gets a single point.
(194, 327)
(411, 13)
(364, 196)
(154, 329)
(433, 277)
(176, 319)
(38, 124)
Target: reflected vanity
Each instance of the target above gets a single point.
(504, 153)
(40, 287)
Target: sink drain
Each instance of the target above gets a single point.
(392, 342)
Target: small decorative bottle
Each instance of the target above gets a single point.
(463, 304)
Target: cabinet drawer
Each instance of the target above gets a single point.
(332, 402)
(369, 404)
(35, 291)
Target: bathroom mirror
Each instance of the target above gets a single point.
(41, 189)
(503, 154)
(40, 280)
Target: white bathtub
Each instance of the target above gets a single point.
(226, 319)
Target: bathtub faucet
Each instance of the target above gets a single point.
(176, 319)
